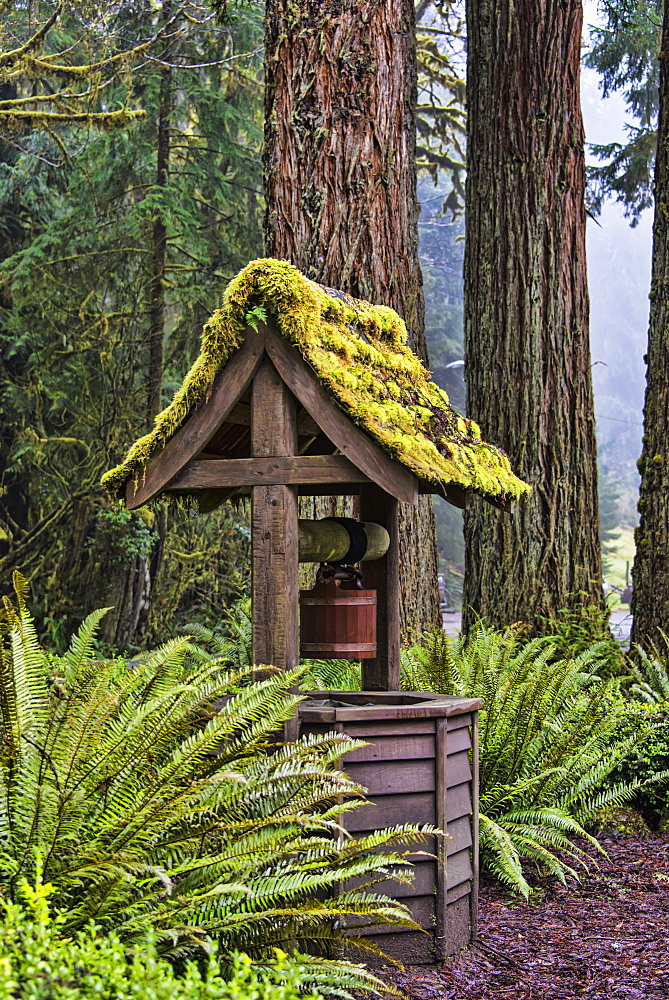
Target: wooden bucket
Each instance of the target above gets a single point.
(337, 623)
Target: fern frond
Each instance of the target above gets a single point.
(150, 792)
(548, 738)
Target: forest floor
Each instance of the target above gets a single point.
(604, 937)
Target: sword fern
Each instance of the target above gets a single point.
(548, 741)
(157, 798)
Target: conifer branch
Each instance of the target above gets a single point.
(9, 58)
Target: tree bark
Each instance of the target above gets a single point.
(14, 486)
(650, 601)
(340, 184)
(526, 311)
(159, 229)
(149, 567)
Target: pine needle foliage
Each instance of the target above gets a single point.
(158, 798)
(548, 739)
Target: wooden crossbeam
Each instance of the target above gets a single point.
(294, 470)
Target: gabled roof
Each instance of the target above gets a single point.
(358, 353)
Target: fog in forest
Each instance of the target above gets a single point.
(619, 258)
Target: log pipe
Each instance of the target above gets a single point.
(329, 540)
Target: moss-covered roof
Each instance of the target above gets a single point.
(359, 353)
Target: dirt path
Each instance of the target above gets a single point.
(606, 937)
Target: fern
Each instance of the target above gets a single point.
(549, 739)
(230, 642)
(158, 799)
(651, 673)
(331, 675)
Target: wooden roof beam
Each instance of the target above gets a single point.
(192, 437)
(351, 441)
(284, 471)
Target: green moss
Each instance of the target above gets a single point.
(619, 822)
(360, 355)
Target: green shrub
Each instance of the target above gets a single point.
(37, 963)
(550, 738)
(154, 807)
(647, 759)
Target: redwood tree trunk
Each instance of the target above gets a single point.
(340, 183)
(526, 311)
(650, 602)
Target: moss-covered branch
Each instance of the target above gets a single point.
(17, 120)
(34, 42)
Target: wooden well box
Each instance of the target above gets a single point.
(420, 767)
(259, 416)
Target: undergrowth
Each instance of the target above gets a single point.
(39, 962)
(551, 735)
(158, 797)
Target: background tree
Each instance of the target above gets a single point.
(441, 127)
(441, 120)
(624, 51)
(340, 182)
(650, 602)
(526, 310)
(114, 241)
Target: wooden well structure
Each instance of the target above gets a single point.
(268, 426)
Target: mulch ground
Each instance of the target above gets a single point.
(607, 936)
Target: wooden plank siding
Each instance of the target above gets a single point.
(392, 777)
(417, 770)
(390, 810)
(296, 470)
(459, 868)
(460, 833)
(387, 748)
(459, 801)
(441, 820)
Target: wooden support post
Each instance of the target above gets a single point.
(441, 901)
(474, 898)
(274, 529)
(383, 575)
